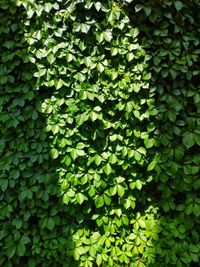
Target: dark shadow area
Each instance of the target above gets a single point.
(169, 35)
(35, 227)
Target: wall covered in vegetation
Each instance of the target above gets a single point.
(100, 133)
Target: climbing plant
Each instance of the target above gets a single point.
(99, 133)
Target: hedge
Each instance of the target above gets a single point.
(100, 133)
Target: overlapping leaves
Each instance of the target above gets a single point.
(79, 133)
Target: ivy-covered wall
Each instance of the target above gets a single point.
(100, 133)
(170, 32)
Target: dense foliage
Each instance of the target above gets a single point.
(100, 133)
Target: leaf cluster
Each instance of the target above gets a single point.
(100, 133)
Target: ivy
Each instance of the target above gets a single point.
(100, 133)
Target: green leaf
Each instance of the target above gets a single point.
(196, 209)
(80, 77)
(93, 116)
(107, 169)
(178, 5)
(107, 199)
(91, 191)
(114, 51)
(147, 76)
(99, 202)
(80, 152)
(195, 169)
(189, 208)
(31, 262)
(120, 190)
(151, 166)
(137, 155)
(120, 179)
(3, 80)
(107, 36)
(9, 44)
(76, 254)
(87, 61)
(193, 248)
(21, 249)
(50, 224)
(68, 160)
(55, 128)
(74, 154)
(147, 10)
(197, 138)
(10, 252)
(113, 158)
(188, 140)
(100, 67)
(149, 142)
(142, 223)
(80, 198)
(113, 190)
(141, 264)
(69, 57)
(98, 160)
(4, 184)
(99, 259)
(51, 58)
(142, 150)
(25, 240)
(66, 199)
(14, 174)
(48, 7)
(97, 5)
(40, 73)
(179, 153)
(138, 184)
(138, 7)
(54, 153)
(85, 28)
(130, 56)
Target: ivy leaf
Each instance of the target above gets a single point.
(20, 249)
(151, 166)
(137, 155)
(97, 5)
(99, 201)
(138, 184)
(93, 116)
(50, 224)
(113, 158)
(99, 259)
(100, 67)
(51, 58)
(107, 36)
(178, 5)
(107, 169)
(120, 190)
(48, 7)
(188, 140)
(80, 198)
(142, 223)
(25, 239)
(138, 7)
(11, 251)
(197, 138)
(54, 153)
